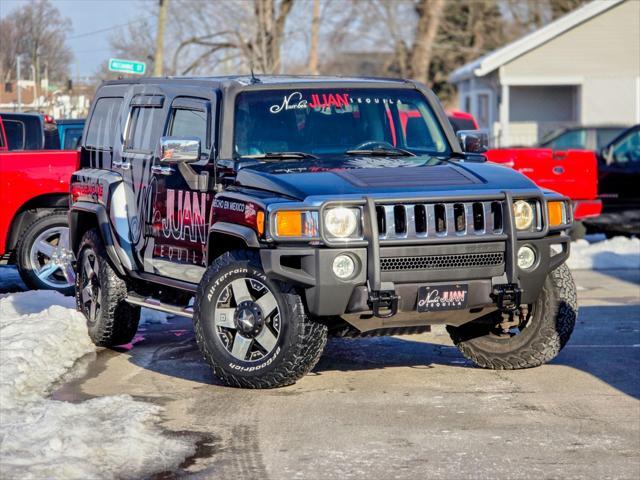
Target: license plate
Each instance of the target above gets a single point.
(442, 297)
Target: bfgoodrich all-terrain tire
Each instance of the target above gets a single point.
(43, 256)
(254, 331)
(100, 295)
(546, 331)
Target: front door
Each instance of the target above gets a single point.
(179, 219)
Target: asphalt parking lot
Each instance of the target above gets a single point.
(403, 407)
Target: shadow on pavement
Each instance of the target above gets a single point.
(605, 344)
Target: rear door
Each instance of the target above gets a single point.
(179, 219)
(144, 126)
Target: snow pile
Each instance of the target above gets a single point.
(617, 252)
(41, 337)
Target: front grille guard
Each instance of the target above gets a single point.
(372, 238)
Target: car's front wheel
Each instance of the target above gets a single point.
(532, 340)
(254, 331)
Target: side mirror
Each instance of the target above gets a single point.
(606, 154)
(473, 141)
(179, 149)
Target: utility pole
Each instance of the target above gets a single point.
(159, 57)
(18, 83)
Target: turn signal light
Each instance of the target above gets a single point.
(556, 213)
(260, 222)
(289, 223)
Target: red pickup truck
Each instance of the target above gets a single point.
(573, 173)
(34, 199)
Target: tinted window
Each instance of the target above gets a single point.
(51, 138)
(190, 123)
(461, 124)
(329, 122)
(628, 149)
(605, 136)
(144, 128)
(15, 133)
(570, 139)
(72, 137)
(103, 123)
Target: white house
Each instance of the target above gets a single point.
(583, 68)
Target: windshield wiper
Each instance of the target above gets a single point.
(382, 152)
(280, 155)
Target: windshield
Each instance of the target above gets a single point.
(330, 122)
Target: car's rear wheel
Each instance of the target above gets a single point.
(44, 259)
(100, 295)
(535, 338)
(252, 330)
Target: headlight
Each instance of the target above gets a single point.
(342, 222)
(296, 224)
(524, 214)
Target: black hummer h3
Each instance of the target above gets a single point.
(296, 208)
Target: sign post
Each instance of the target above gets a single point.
(127, 66)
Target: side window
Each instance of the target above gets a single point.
(605, 136)
(144, 128)
(100, 133)
(190, 123)
(628, 149)
(570, 139)
(72, 137)
(15, 133)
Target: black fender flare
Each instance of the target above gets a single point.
(102, 222)
(245, 234)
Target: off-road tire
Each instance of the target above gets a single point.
(43, 220)
(547, 332)
(299, 344)
(116, 322)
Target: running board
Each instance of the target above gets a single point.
(156, 304)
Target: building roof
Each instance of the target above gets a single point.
(494, 60)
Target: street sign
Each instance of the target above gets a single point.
(127, 66)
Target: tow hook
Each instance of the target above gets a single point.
(386, 300)
(507, 296)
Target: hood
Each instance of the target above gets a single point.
(375, 175)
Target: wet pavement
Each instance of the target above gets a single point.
(402, 407)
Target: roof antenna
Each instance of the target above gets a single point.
(254, 79)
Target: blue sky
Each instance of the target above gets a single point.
(88, 41)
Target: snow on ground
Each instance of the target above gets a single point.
(598, 253)
(41, 337)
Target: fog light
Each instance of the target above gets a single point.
(526, 257)
(343, 266)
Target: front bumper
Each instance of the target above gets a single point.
(382, 267)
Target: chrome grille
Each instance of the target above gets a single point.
(440, 262)
(433, 220)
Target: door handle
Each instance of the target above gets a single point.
(160, 170)
(558, 170)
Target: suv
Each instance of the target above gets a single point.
(295, 208)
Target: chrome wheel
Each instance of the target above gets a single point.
(90, 289)
(51, 258)
(247, 319)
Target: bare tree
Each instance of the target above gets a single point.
(255, 40)
(429, 13)
(38, 32)
(313, 43)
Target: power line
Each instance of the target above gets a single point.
(87, 34)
